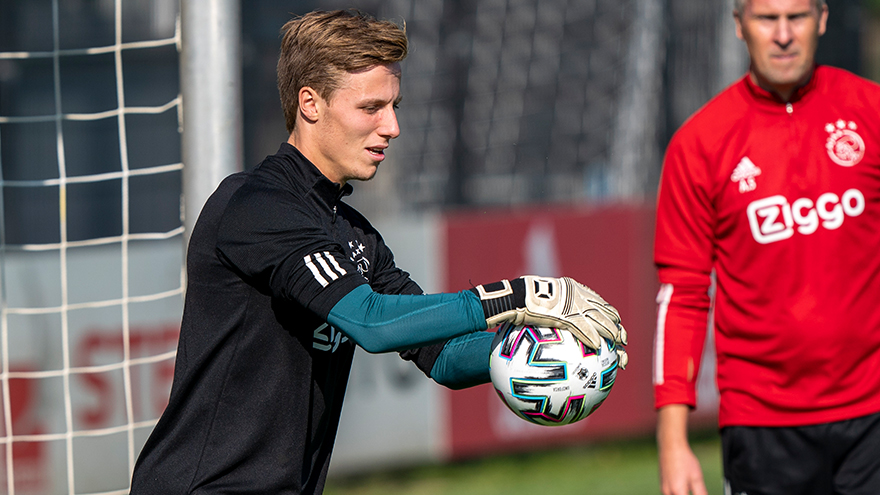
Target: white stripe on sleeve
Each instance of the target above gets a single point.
(333, 262)
(663, 298)
(323, 262)
(320, 278)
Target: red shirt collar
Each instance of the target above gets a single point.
(772, 100)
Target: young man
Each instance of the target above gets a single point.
(775, 187)
(284, 279)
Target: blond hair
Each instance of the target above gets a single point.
(739, 5)
(318, 48)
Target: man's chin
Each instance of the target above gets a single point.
(793, 72)
(789, 77)
(367, 175)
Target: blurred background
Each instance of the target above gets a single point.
(528, 126)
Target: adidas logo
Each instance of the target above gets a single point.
(324, 266)
(745, 173)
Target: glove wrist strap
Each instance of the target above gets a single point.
(501, 297)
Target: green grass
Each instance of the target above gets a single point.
(623, 468)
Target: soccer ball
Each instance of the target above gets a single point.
(548, 377)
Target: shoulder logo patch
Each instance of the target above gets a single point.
(844, 145)
(745, 173)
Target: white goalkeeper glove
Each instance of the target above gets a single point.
(554, 302)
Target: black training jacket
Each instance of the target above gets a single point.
(259, 376)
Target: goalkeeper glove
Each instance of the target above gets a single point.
(554, 302)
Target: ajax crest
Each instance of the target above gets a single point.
(844, 145)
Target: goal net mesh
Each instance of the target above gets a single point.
(91, 249)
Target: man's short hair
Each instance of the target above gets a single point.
(318, 48)
(739, 5)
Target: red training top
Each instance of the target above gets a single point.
(782, 201)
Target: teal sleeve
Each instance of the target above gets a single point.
(386, 322)
(464, 361)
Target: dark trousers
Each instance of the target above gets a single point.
(839, 458)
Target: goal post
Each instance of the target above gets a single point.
(210, 81)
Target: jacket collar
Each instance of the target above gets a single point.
(309, 177)
(768, 100)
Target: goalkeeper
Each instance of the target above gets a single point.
(285, 279)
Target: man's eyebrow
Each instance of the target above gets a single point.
(380, 101)
(776, 15)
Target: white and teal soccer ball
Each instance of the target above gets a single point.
(548, 377)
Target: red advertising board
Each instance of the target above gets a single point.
(608, 248)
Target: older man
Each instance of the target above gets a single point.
(774, 187)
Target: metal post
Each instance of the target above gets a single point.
(733, 58)
(210, 70)
(634, 149)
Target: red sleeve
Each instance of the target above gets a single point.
(683, 253)
(682, 314)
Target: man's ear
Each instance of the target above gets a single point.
(823, 19)
(308, 103)
(738, 24)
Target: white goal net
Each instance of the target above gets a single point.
(91, 238)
